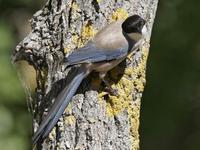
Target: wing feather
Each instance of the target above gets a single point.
(90, 53)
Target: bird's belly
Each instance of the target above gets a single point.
(104, 67)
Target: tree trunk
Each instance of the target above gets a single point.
(94, 120)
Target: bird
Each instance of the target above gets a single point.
(109, 47)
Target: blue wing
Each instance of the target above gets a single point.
(90, 53)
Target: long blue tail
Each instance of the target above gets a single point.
(75, 78)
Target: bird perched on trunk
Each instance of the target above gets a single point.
(107, 49)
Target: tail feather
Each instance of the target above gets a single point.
(60, 104)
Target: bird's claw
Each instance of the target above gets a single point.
(111, 91)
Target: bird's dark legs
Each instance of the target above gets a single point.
(108, 87)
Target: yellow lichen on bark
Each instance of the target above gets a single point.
(119, 14)
(88, 32)
(132, 80)
(79, 39)
(99, 1)
(70, 119)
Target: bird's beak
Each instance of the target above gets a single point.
(144, 30)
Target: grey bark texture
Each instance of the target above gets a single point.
(94, 120)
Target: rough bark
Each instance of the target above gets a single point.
(94, 120)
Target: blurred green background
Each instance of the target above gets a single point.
(171, 101)
(170, 114)
(15, 120)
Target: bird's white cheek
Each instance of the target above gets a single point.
(144, 32)
(135, 36)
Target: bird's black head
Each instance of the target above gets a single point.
(133, 24)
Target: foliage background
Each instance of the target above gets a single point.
(171, 101)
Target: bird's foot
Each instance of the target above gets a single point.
(111, 91)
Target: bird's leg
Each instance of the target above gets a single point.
(108, 87)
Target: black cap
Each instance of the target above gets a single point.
(133, 24)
